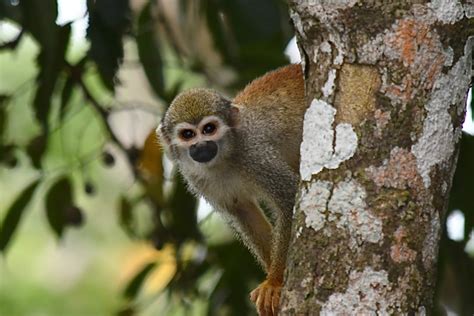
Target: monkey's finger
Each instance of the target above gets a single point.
(260, 304)
(276, 302)
(269, 291)
(254, 294)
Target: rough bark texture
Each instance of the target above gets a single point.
(386, 83)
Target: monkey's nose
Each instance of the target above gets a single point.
(203, 152)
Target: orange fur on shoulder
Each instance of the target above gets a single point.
(285, 83)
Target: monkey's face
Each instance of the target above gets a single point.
(204, 143)
(197, 129)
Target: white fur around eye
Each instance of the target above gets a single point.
(178, 140)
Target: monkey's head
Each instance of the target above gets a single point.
(197, 128)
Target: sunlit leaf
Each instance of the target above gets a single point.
(13, 215)
(149, 50)
(109, 20)
(135, 284)
(58, 201)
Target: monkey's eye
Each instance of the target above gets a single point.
(209, 128)
(187, 134)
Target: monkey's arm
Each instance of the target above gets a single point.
(254, 229)
(280, 183)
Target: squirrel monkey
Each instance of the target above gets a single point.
(240, 153)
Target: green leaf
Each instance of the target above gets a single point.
(58, 202)
(66, 95)
(108, 22)
(7, 155)
(135, 284)
(51, 61)
(36, 149)
(73, 216)
(40, 20)
(3, 120)
(172, 92)
(126, 215)
(149, 50)
(14, 214)
(182, 213)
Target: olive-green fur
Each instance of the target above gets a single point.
(193, 105)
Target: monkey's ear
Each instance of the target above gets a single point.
(161, 135)
(234, 116)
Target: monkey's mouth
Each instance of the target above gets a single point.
(203, 152)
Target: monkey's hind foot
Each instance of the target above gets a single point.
(267, 297)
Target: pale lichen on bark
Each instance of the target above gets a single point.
(343, 205)
(318, 150)
(347, 208)
(369, 293)
(437, 142)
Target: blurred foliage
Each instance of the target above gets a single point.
(226, 44)
(223, 43)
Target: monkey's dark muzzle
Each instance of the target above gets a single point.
(203, 152)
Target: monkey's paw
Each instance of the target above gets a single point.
(267, 298)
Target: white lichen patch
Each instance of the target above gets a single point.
(347, 208)
(313, 203)
(299, 231)
(447, 11)
(469, 10)
(430, 244)
(437, 143)
(325, 47)
(346, 145)
(328, 87)
(317, 151)
(367, 294)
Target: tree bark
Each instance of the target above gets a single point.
(386, 83)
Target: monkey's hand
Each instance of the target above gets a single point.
(267, 297)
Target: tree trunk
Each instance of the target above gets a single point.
(386, 83)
